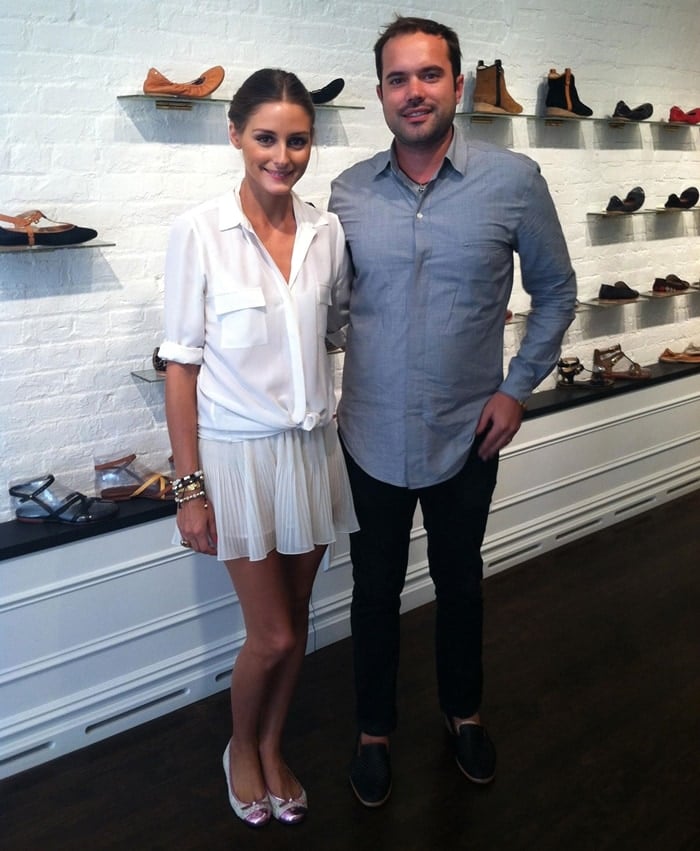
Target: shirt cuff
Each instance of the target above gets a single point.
(516, 390)
(180, 354)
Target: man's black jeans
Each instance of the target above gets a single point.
(454, 516)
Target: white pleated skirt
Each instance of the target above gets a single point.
(289, 492)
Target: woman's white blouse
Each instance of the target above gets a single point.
(260, 341)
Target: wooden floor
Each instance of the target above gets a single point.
(592, 697)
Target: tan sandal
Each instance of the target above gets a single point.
(26, 231)
(615, 364)
(691, 354)
(116, 480)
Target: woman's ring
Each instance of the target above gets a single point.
(186, 544)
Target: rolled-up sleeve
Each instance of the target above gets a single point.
(184, 316)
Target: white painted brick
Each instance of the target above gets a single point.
(73, 324)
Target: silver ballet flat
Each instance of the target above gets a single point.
(253, 813)
(289, 810)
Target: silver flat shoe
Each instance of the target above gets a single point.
(289, 810)
(253, 813)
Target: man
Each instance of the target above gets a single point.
(432, 226)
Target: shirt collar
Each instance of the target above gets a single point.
(456, 156)
(231, 213)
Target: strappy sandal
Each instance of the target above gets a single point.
(569, 368)
(615, 364)
(25, 230)
(691, 354)
(43, 500)
(117, 480)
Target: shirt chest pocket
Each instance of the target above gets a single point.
(242, 316)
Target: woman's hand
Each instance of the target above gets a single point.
(195, 520)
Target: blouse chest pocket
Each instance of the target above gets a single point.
(242, 316)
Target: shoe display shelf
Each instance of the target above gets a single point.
(562, 120)
(183, 104)
(649, 295)
(15, 249)
(654, 211)
(148, 375)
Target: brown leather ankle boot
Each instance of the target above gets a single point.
(490, 93)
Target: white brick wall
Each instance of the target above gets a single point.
(73, 324)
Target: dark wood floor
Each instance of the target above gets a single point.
(592, 696)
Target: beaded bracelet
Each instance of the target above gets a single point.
(179, 501)
(189, 479)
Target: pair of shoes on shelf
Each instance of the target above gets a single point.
(207, 82)
(30, 229)
(691, 117)
(670, 285)
(615, 364)
(639, 113)
(474, 751)
(370, 773)
(490, 92)
(691, 354)
(617, 292)
(562, 98)
(44, 500)
(688, 198)
(258, 813)
(121, 479)
(632, 202)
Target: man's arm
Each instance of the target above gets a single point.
(549, 279)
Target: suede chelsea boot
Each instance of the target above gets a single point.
(490, 92)
(562, 97)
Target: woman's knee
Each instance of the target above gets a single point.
(274, 646)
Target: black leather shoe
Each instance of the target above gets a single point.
(639, 113)
(619, 291)
(689, 198)
(370, 774)
(474, 752)
(633, 201)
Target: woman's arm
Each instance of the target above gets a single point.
(195, 518)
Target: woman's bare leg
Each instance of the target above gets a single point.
(272, 594)
(300, 572)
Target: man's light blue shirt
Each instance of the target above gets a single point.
(425, 312)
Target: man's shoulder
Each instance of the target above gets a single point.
(478, 150)
(363, 170)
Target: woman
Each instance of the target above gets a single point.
(249, 403)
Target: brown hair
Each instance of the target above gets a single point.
(268, 85)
